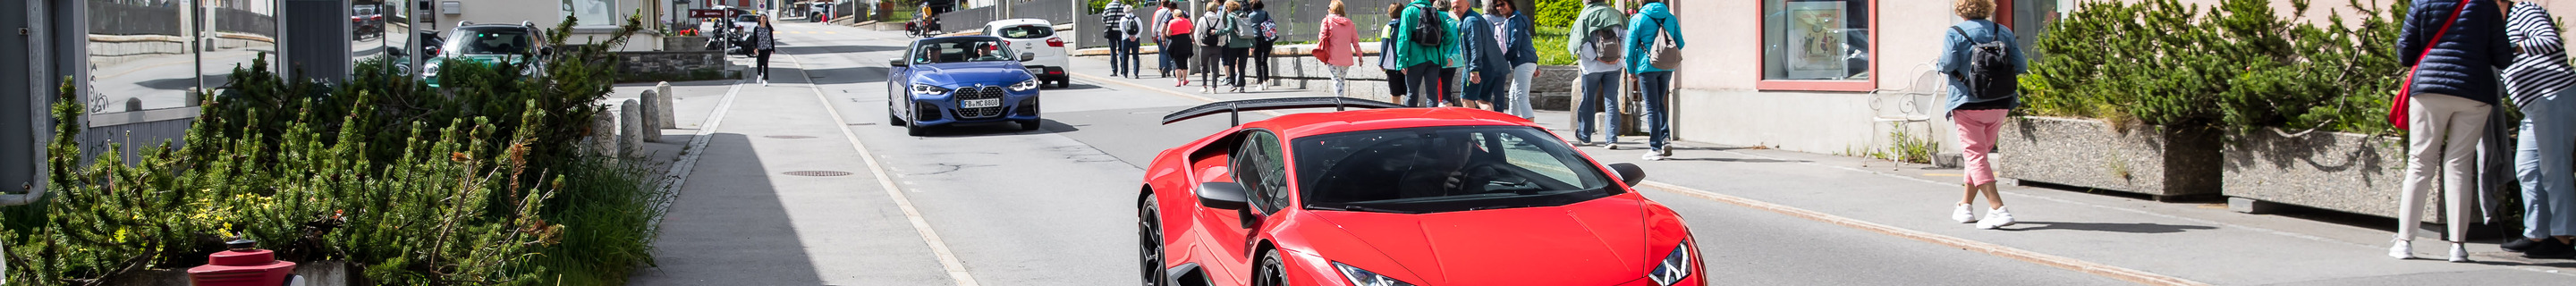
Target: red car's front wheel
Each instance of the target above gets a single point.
(1149, 245)
(1270, 272)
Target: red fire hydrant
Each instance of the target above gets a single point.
(244, 265)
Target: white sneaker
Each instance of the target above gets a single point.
(1963, 214)
(2400, 249)
(1652, 156)
(1996, 218)
(2459, 252)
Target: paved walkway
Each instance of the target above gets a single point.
(2113, 236)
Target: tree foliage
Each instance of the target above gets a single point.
(2236, 64)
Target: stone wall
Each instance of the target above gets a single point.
(2336, 171)
(673, 66)
(2162, 162)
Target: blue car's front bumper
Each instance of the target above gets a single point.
(943, 109)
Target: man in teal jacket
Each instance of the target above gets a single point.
(1656, 83)
(1421, 62)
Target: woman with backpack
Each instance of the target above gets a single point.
(1338, 46)
(1179, 51)
(1211, 46)
(1268, 37)
(1654, 80)
(1979, 117)
(1241, 35)
(1386, 55)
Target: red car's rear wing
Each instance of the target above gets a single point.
(1234, 108)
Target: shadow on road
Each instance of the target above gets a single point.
(836, 49)
(2109, 227)
(1045, 126)
(847, 75)
(729, 229)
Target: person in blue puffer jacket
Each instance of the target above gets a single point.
(1643, 30)
(2455, 51)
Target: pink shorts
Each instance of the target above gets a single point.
(1977, 130)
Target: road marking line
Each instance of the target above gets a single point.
(2087, 267)
(679, 173)
(947, 259)
(2104, 270)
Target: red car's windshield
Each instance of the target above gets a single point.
(1439, 169)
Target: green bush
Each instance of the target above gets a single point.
(480, 183)
(1557, 13)
(2236, 64)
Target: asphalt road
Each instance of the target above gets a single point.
(1055, 207)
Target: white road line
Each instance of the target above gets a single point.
(679, 172)
(2087, 267)
(947, 259)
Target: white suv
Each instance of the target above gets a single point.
(1036, 37)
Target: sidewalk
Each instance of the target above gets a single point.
(2123, 238)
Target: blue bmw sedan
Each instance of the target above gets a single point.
(960, 80)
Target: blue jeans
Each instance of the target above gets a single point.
(1657, 87)
(1166, 62)
(1600, 93)
(1122, 57)
(2541, 162)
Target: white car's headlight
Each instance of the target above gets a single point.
(1675, 266)
(924, 89)
(430, 68)
(1363, 277)
(1025, 85)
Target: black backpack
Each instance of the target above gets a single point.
(1990, 69)
(1605, 44)
(1427, 29)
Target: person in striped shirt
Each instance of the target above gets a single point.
(2538, 82)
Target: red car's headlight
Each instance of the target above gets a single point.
(1362, 277)
(1674, 267)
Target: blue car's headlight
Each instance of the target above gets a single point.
(1674, 267)
(924, 89)
(1025, 85)
(1362, 277)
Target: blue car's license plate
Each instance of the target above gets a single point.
(979, 103)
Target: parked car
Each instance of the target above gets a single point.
(1039, 37)
(364, 21)
(960, 80)
(1390, 195)
(490, 44)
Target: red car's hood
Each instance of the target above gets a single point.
(1598, 242)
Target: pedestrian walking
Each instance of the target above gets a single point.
(1481, 57)
(1211, 46)
(764, 42)
(2539, 82)
(1521, 52)
(1387, 59)
(1599, 29)
(1655, 21)
(1981, 58)
(1242, 34)
(1423, 47)
(2455, 48)
(1121, 32)
(1179, 52)
(1338, 46)
(1162, 45)
(1452, 82)
(1268, 38)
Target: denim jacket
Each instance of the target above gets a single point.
(1955, 53)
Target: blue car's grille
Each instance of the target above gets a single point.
(970, 93)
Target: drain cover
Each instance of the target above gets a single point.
(818, 173)
(790, 136)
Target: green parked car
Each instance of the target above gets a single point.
(489, 44)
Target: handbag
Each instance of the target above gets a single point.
(1667, 56)
(2405, 89)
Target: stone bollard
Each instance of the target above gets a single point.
(603, 133)
(662, 109)
(652, 120)
(630, 126)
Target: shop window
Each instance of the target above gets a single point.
(1823, 45)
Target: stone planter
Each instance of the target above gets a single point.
(2335, 171)
(2165, 163)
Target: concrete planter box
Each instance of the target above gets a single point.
(2335, 171)
(2165, 163)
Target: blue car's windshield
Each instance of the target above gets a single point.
(964, 51)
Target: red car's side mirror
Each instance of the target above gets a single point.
(1629, 173)
(1222, 196)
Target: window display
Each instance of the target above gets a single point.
(1816, 40)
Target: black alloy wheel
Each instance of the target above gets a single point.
(1269, 272)
(1149, 244)
(892, 119)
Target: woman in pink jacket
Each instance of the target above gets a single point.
(1339, 46)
